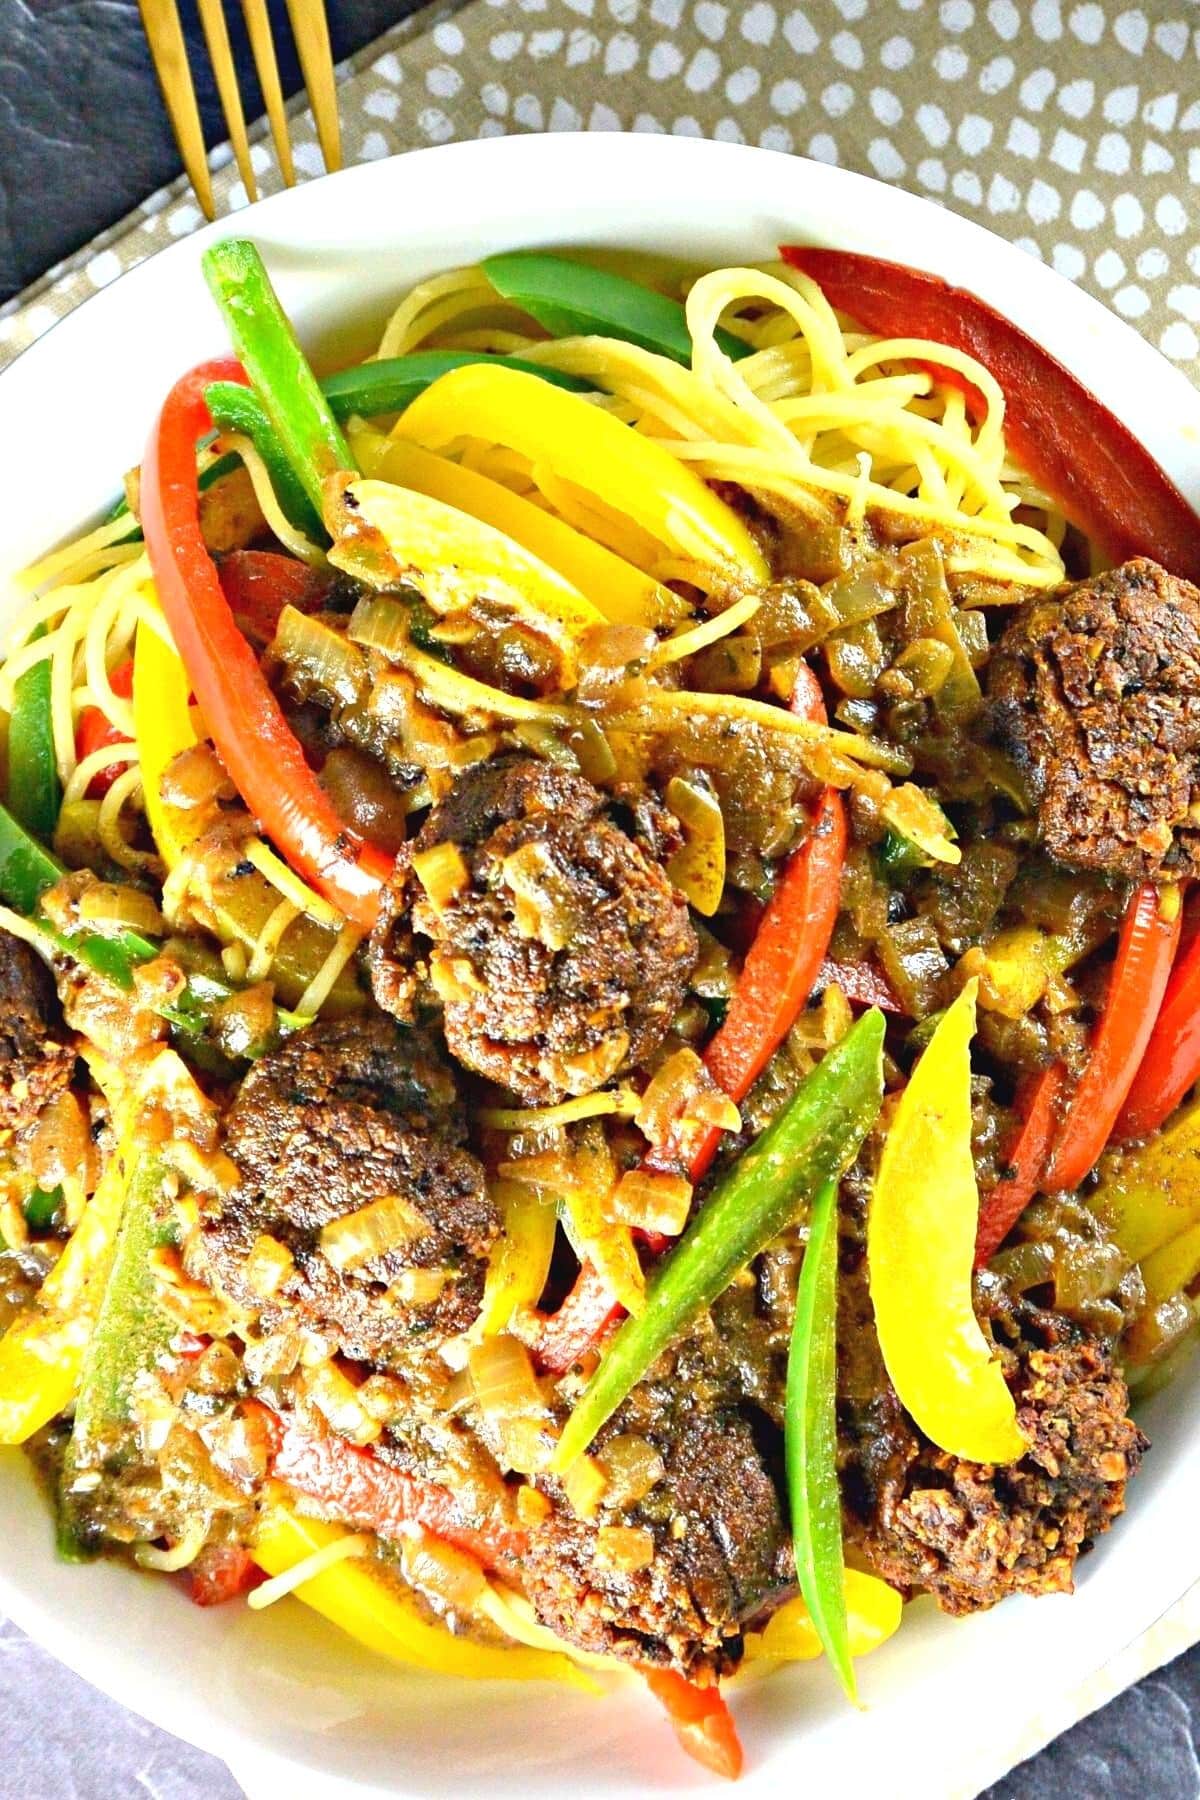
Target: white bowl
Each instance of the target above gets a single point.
(291, 1704)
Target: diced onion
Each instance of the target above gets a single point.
(335, 1396)
(389, 1223)
(442, 872)
(267, 1266)
(585, 1484)
(625, 1548)
(653, 1200)
(502, 1376)
(632, 1466)
(443, 1570)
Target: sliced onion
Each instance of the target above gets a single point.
(390, 1223)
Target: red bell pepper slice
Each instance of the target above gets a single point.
(361, 1490)
(258, 584)
(580, 1325)
(1083, 457)
(94, 731)
(263, 758)
(1145, 952)
(1171, 1064)
(701, 1719)
(783, 963)
(999, 1210)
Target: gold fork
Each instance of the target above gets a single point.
(169, 50)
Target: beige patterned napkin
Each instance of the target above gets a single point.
(1071, 129)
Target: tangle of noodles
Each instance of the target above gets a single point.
(820, 419)
(90, 599)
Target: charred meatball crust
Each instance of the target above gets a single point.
(36, 1062)
(564, 954)
(345, 1113)
(972, 1533)
(1095, 691)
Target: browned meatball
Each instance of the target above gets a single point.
(715, 1545)
(35, 1060)
(1096, 691)
(969, 1533)
(565, 953)
(346, 1113)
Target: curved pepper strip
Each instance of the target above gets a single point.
(701, 1721)
(1171, 1063)
(42, 1352)
(520, 1261)
(921, 1224)
(34, 791)
(373, 1496)
(873, 1613)
(383, 1618)
(257, 746)
(615, 587)
(1002, 1206)
(810, 1440)
(241, 909)
(1145, 952)
(390, 536)
(581, 1324)
(269, 353)
(593, 451)
(784, 961)
(95, 731)
(573, 299)
(1057, 430)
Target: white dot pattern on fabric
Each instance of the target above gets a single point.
(1070, 126)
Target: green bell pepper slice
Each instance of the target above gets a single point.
(34, 793)
(571, 299)
(811, 1142)
(810, 1440)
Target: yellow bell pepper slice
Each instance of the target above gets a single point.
(1172, 1267)
(388, 535)
(921, 1226)
(383, 1618)
(163, 729)
(615, 587)
(594, 451)
(520, 1259)
(1148, 1196)
(42, 1352)
(873, 1611)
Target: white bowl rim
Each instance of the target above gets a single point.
(1155, 399)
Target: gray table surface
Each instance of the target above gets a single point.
(77, 91)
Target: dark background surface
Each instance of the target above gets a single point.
(83, 138)
(83, 133)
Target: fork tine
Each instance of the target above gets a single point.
(169, 51)
(310, 28)
(258, 28)
(216, 35)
